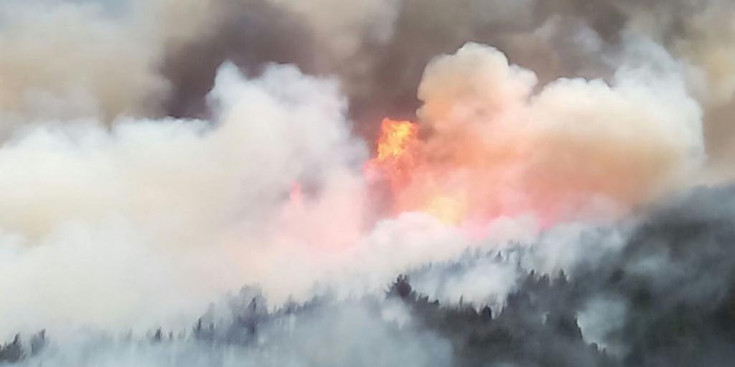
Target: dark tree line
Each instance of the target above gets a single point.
(15, 351)
(535, 328)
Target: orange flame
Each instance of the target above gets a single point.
(396, 158)
(396, 139)
(414, 185)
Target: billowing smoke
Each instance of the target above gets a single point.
(383, 182)
(497, 145)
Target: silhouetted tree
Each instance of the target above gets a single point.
(12, 352)
(38, 343)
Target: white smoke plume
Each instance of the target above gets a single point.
(150, 189)
(202, 208)
(627, 140)
(158, 156)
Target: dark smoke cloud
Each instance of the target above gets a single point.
(381, 77)
(249, 34)
(558, 38)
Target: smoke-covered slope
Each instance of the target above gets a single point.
(663, 298)
(394, 182)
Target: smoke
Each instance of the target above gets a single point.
(380, 48)
(65, 61)
(496, 146)
(286, 339)
(158, 156)
(85, 59)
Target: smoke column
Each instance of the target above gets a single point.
(382, 182)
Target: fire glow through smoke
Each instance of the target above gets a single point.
(490, 142)
(154, 169)
(413, 185)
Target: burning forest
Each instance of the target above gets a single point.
(367, 183)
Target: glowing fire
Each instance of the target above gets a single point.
(414, 185)
(460, 179)
(396, 156)
(396, 139)
(446, 208)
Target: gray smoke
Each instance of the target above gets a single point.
(382, 52)
(156, 156)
